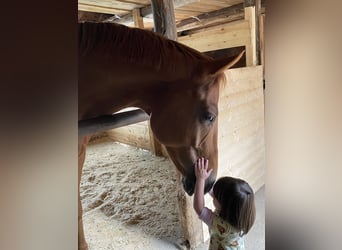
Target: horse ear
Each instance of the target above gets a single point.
(220, 65)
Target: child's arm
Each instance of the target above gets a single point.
(202, 173)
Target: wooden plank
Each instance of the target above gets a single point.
(190, 223)
(241, 130)
(198, 21)
(223, 3)
(241, 126)
(155, 145)
(84, 16)
(188, 13)
(243, 81)
(143, 2)
(147, 11)
(251, 169)
(241, 165)
(99, 9)
(138, 20)
(164, 18)
(197, 8)
(239, 98)
(257, 29)
(224, 36)
(128, 17)
(251, 58)
(262, 42)
(249, 3)
(135, 135)
(111, 4)
(209, 23)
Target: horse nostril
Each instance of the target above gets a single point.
(188, 185)
(209, 184)
(208, 187)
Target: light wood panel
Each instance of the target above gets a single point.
(219, 37)
(99, 9)
(135, 135)
(241, 126)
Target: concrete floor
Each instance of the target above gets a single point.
(255, 239)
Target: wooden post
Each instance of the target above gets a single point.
(164, 18)
(262, 43)
(164, 23)
(138, 20)
(155, 146)
(251, 58)
(257, 30)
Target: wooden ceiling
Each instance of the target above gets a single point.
(189, 14)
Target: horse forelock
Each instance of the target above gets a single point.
(137, 46)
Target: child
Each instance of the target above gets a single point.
(235, 209)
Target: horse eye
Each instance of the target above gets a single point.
(210, 117)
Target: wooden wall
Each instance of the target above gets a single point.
(241, 129)
(138, 135)
(234, 34)
(241, 126)
(135, 135)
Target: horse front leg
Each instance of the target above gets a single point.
(82, 144)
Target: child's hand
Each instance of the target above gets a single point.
(201, 169)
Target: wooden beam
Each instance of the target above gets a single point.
(190, 223)
(100, 9)
(155, 145)
(138, 20)
(85, 16)
(224, 36)
(229, 13)
(205, 24)
(249, 3)
(111, 4)
(262, 43)
(128, 18)
(147, 11)
(103, 123)
(144, 2)
(164, 18)
(251, 58)
(257, 30)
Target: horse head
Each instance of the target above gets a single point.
(184, 119)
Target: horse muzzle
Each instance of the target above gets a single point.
(189, 184)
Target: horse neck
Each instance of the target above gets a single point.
(142, 91)
(143, 83)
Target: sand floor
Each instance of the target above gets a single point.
(129, 199)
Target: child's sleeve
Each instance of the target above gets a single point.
(207, 216)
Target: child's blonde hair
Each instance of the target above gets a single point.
(236, 198)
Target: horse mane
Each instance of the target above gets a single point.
(136, 45)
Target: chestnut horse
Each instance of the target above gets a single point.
(178, 87)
